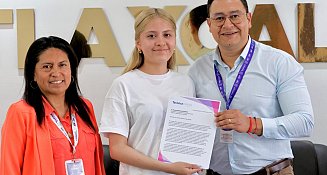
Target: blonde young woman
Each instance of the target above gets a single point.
(135, 106)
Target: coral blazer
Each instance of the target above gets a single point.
(30, 150)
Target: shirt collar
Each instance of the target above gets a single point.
(238, 60)
(48, 109)
(246, 48)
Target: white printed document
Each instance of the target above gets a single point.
(189, 131)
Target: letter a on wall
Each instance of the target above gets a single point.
(266, 14)
(95, 18)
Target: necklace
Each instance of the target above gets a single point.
(69, 134)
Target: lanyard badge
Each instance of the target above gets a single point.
(226, 136)
(74, 166)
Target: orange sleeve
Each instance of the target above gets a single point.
(13, 140)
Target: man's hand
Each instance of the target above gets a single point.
(232, 119)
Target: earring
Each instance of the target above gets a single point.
(33, 85)
(72, 80)
(140, 51)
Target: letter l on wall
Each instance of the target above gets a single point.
(25, 33)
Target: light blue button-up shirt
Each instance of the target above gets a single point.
(273, 89)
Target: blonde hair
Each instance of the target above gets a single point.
(137, 59)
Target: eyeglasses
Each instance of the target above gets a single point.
(235, 18)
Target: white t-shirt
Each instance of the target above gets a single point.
(135, 107)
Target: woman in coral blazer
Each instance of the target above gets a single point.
(52, 130)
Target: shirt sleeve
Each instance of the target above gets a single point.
(114, 117)
(191, 87)
(295, 103)
(13, 141)
(192, 73)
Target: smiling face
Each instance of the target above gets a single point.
(157, 42)
(52, 73)
(229, 35)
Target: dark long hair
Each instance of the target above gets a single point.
(33, 95)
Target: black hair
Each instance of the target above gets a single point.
(80, 46)
(198, 15)
(244, 2)
(33, 95)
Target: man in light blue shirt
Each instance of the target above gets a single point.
(265, 100)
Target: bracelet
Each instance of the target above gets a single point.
(250, 127)
(256, 126)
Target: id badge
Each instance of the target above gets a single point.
(74, 167)
(226, 136)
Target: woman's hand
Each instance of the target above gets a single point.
(182, 168)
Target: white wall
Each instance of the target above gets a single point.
(60, 17)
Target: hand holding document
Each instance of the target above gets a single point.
(189, 131)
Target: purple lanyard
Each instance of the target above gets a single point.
(238, 79)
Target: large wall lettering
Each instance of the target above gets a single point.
(95, 20)
(307, 51)
(266, 15)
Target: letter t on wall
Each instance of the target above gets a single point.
(6, 16)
